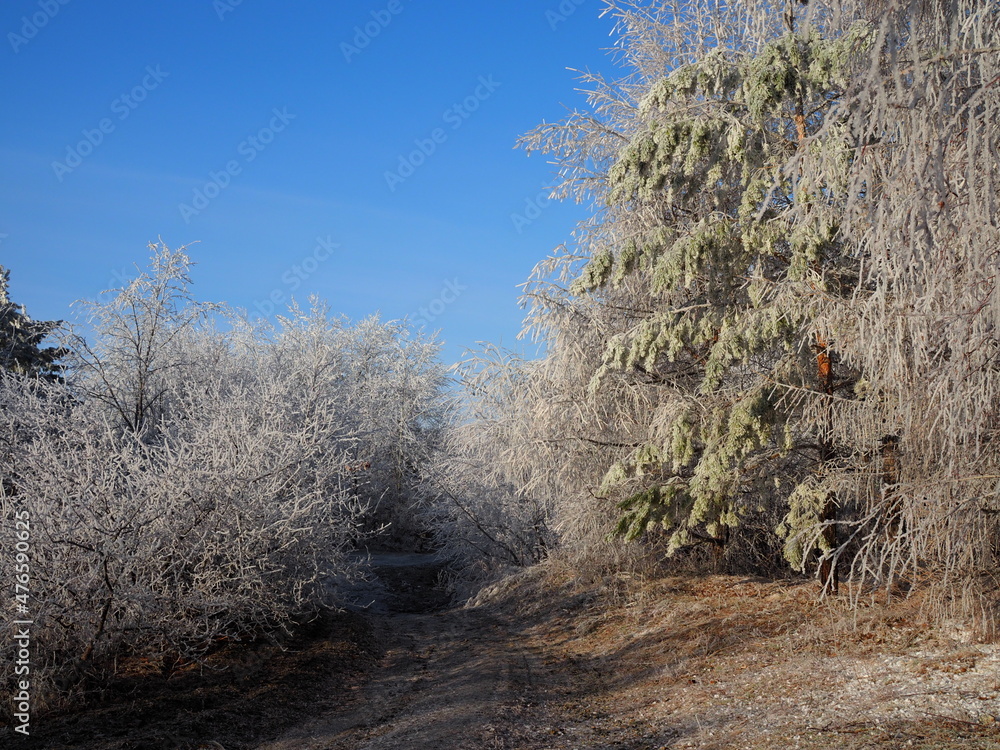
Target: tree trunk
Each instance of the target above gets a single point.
(829, 575)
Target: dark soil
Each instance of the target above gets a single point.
(241, 695)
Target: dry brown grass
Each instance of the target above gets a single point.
(731, 662)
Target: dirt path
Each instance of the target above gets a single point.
(452, 678)
(401, 670)
(717, 663)
(505, 674)
(435, 687)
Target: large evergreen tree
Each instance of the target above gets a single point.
(706, 252)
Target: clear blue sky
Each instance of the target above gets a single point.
(256, 105)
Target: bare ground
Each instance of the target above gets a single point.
(541, 661)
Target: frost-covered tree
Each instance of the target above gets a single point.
(134, 351)
(696, 255)
(789, 276)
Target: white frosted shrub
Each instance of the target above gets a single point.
(191, 482)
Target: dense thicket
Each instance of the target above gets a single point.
(198, 477)
(773, 347)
